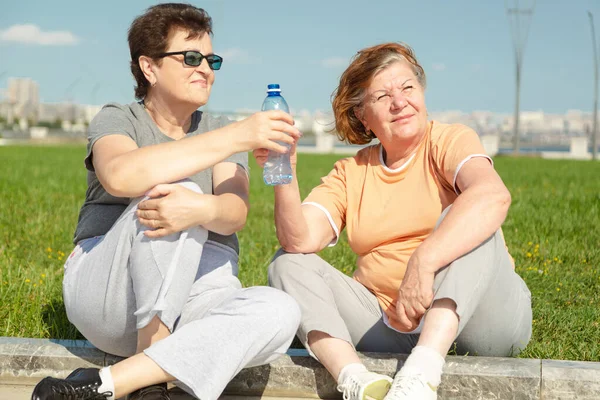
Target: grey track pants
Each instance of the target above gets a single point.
(493, 302)
(116, 283)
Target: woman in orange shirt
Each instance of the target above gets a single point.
(422, 210)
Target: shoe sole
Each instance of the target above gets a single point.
(377, 390)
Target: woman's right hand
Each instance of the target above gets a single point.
(264, 129)
(260, 155)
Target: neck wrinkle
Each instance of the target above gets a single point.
(173, 121)
(402, 154)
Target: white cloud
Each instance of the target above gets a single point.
(32, 34)
(237, 56)
(334, 62)
(438, 66)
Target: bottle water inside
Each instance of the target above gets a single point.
(277, 169)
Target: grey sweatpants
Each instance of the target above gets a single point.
(116, 283)
(493, 302)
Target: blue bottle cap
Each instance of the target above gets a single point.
(273, 87)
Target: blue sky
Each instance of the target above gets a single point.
(464, 45)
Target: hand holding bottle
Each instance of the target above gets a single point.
(272, 130)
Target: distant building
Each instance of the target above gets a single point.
(23, 95)
(23, 90)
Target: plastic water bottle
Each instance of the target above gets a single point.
(277, 170)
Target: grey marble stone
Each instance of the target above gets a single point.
(30, 358)
(296, 375)
(570, 380)
(490, 378)
(464, 377)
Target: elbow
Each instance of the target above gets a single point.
(235, 227)
(501, 201)
(298, 246)
(115, 187)
(505, 200)
(291, 248)
(117, 181)
(296, 249)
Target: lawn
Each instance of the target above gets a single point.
(552, 231)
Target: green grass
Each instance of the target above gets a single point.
(553, 232)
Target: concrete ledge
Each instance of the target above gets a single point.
(296, 375)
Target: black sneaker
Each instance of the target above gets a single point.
(81, 384)
(154, 392)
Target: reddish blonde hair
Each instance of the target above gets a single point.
(350, 93)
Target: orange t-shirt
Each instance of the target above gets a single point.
(389, 213)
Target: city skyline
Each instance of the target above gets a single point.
(465, 48)
(24, 110)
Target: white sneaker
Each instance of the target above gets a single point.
(365, 386)
(410, 384)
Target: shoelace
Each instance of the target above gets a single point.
(88, 392)
(350, 388)
(404, 385)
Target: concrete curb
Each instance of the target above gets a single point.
(25, 361)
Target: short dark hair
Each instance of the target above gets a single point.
(149, 34)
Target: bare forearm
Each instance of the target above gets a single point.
(291, 226)
(475, 215)
(134, 173)
(230, 213)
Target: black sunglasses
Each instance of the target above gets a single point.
(194, 58)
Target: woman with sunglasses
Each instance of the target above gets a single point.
(153, 274)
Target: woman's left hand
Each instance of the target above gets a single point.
(415, 294)
(172, 208)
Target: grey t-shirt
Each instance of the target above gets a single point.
(100, 210)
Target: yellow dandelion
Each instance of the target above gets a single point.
(530, 243)
(35, 285)
(41, 281)
(558, 289)
(555, 258)
(528, 254)
(49, 256)
(43, 276)
(27, 280)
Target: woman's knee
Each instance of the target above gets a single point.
(288, 265)
(281, 310)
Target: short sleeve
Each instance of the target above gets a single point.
(456, 145)
(111, 120)
(331, 196)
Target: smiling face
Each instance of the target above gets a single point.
(181, 83)
(394, 105)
